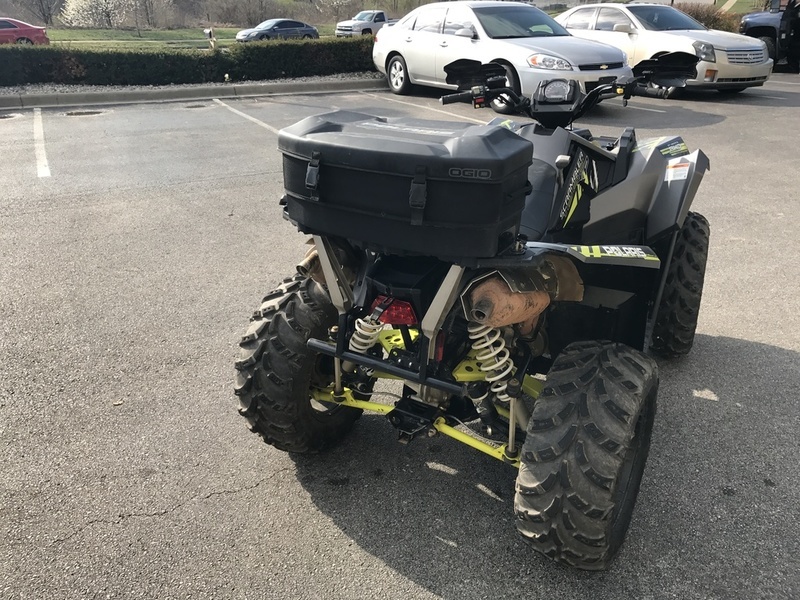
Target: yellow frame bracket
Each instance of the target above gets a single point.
(346, 399)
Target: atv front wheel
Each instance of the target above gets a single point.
(585, 451)
(676, 320)
(276, 371)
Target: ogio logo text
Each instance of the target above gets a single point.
(470, 173)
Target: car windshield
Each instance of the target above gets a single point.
(364, 15)
(267, 24)
(664, 18)
(520, 21)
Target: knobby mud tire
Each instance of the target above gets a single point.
(276, 370)
(585, 451)
(676, 321)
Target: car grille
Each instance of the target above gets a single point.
(740, 79)
(347, 29)
(599, 66)
(746, 57)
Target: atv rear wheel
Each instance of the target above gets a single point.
(676, 320)
(585, 451)
(276, 371)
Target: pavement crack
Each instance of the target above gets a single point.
(162, 513)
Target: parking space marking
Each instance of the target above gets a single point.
(655, 110)
(775, 81)
(246, 116)
(770, 97)
(42, 168)
(444, 112)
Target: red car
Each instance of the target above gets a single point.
(17, 32)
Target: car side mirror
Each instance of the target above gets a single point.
(466, 32)
(625, 27)
(775, 6)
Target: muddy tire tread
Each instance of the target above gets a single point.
(676, 321)
(579, 433)
(275, 368)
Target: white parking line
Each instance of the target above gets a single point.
(655, 110)
(444, 112)
(770, 97)
(246, 116)
(42, 168)
(774, 81)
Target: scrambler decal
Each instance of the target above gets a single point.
(580, 184)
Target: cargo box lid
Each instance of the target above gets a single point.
(448, 149)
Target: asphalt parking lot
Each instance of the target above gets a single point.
(136, 240)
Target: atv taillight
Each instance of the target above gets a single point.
(397, 312)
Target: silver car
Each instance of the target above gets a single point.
(527, 42)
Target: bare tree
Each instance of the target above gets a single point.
(152, 13)
(43, 10)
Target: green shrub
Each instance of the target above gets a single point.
(711, 16)
(243, 62)
(300, 58)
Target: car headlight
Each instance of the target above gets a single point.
(545, 61)
(705, 51)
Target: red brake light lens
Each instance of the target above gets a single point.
(398, 312)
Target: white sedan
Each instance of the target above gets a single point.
(527, 42)
(729, 62)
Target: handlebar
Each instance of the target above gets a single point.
(481, 95)
(459, 97)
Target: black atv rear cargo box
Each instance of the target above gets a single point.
(437, 188)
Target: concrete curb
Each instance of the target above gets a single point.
(204, 92)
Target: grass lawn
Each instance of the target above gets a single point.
(746, 6)
(130, 35)
(148, 38)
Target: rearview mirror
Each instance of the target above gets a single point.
(625, 27)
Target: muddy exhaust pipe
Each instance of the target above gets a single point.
(519, 297)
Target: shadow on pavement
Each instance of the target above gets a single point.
(716, 516)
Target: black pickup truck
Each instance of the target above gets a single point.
(779, 29)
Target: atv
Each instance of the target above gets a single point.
(512, 279)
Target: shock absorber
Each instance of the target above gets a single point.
(366, 334)
(493, 356)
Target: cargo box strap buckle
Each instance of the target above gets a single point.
(312, 174)
(418, 196)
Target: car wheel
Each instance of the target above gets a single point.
(397, 75)
(367, 32)
(770, 46)
(306, 37)
(263, 37)
(25, 41)
(512, 81)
